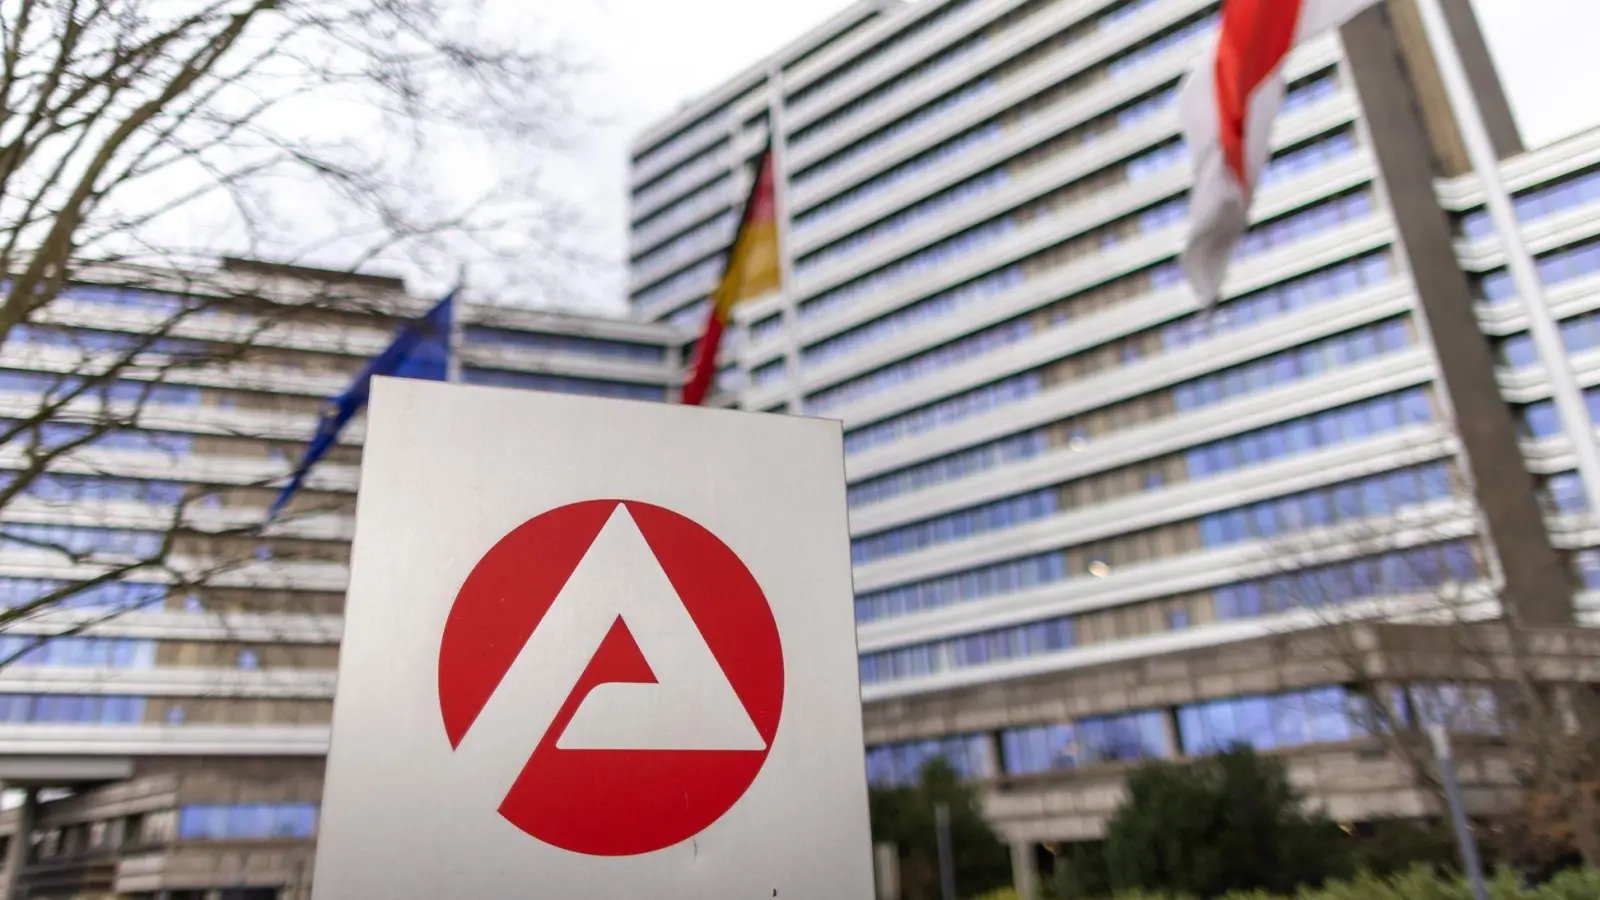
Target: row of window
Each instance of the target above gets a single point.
(16, 592)
(1130, 737)
(1320, 286)
(929, 257)
(968, 462)
(705, 167)
(691, 317)
(1354, 422)
(563, 384)
(1265, 722)
(1305, 158)
(1153, 162)
(1285, 439)
(1306, 222)
(71, 709)
(565, 343)
(1555, 267)
(976, 186)
(59, 386)
(1268, 722)
(1140, 167)
(968, 650)
(903, 125)
(1374, 495)
(1563, 493)
(1312, 289)
(110, 341)
(972, 346)
(806, 94)
(962, 587)
(1586, 563)
(53, 487)
(927, 112)
(914, 75)
(1165, 215)
(1395, 573)
(769, 372)
(1162, 43)
(1547, 200)
(688, 208)
(77, 539)
(79, 652)
(707, 237)
(52, 435)
(1540, 420)
(900, 764)
(106, 295)
(1296, 364)
(1578, 334)
(715, 119)
(995, 515)
(922, 162)
(701, 273)
(937, 306)
(946, 412)
(1287, 367)
(247, 821)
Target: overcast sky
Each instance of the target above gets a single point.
(647, 56)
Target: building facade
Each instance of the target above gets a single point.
(1090, 526)
(175, 749)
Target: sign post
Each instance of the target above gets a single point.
(595, 650)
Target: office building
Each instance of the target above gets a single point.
(1088, 524)
(175, 750)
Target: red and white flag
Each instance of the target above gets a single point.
(1227, 107)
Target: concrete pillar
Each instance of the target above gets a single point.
(1025, 870)
(886, 868)
(21, 843)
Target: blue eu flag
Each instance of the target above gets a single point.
(420, 350)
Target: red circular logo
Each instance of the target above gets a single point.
(677, 705)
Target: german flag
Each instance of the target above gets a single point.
(751, 271)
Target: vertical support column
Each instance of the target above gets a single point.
(1025, 870)
(21, 843)
(1537, 589)
(1542, 326)
(789, 309)
(1170, 731)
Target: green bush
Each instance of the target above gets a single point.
(1229, 822)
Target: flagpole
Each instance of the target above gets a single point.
(1542, 326)
(452, 370)
(777, 144)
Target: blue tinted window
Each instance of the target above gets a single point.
(247, 821)
(1271, 721)
(71, 709)
(900, 764)
(1370, 496)
(564, 384)
(999, 578)
(480, 334)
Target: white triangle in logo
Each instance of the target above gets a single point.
(691, 705)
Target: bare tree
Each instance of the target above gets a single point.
(1411, 605)
(138, 138)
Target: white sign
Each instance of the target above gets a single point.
(595, 649)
